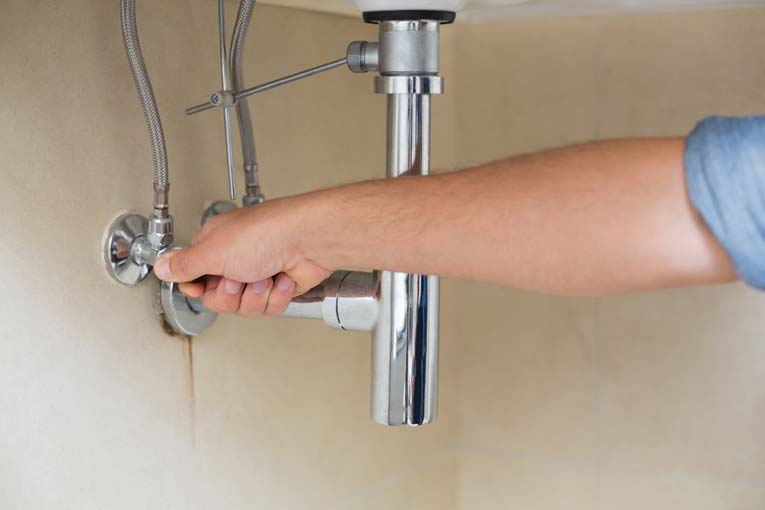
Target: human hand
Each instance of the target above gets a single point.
(249, 261)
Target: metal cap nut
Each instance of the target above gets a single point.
(160, 232)
(362, 56)
(409, 85)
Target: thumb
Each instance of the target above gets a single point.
(183, 265)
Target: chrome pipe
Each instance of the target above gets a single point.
(408, 142)
(226, 85)
(229, 153)
(306, 307)
(405, 339)
(249, 154)
(347, 300)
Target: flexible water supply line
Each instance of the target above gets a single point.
(149, 105)
(252, 184)
(132, 242)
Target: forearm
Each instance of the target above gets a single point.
(599, 218)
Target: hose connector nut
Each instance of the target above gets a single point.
(253, 199)
(160, 232)
(363, 56)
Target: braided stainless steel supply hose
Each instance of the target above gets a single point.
(252, 182)
(160, 228)
(149, 105)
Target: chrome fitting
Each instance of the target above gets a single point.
(253, 197)
(142, 252)
(405, 337)
(185, 315)
(161, 201)
(348, 300)
(356, 302)
(363, 56)
(251, 174)
(409, 47)
(160, 232)
(120, 238)
(216, 208)
(433, 85)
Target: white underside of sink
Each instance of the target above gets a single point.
(394, 5)
(472, 10)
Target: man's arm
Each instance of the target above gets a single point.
(599, 218)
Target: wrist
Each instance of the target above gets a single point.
(321, 227)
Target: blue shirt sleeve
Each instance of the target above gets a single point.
(725, 175)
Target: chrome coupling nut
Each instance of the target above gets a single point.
(253, 199)
(160, 232)
(363, 56)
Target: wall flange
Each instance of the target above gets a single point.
(117, 245)
(185, 315)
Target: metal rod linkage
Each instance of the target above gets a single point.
(273, 84)
(289, 79)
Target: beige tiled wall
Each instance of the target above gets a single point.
(98, 408)
(650, 401)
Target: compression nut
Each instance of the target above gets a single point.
(160, 232)
(363, 56)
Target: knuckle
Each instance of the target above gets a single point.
(209, 302)
(276, 308)
(189, 289)
(180, 264)
(253, 307)
(225, 304)
(251, 312)
(271, 312)
(230, 306)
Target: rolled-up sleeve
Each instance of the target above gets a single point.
(725, 175)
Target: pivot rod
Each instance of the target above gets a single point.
(236, 96)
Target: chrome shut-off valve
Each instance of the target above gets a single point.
(132, 246)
